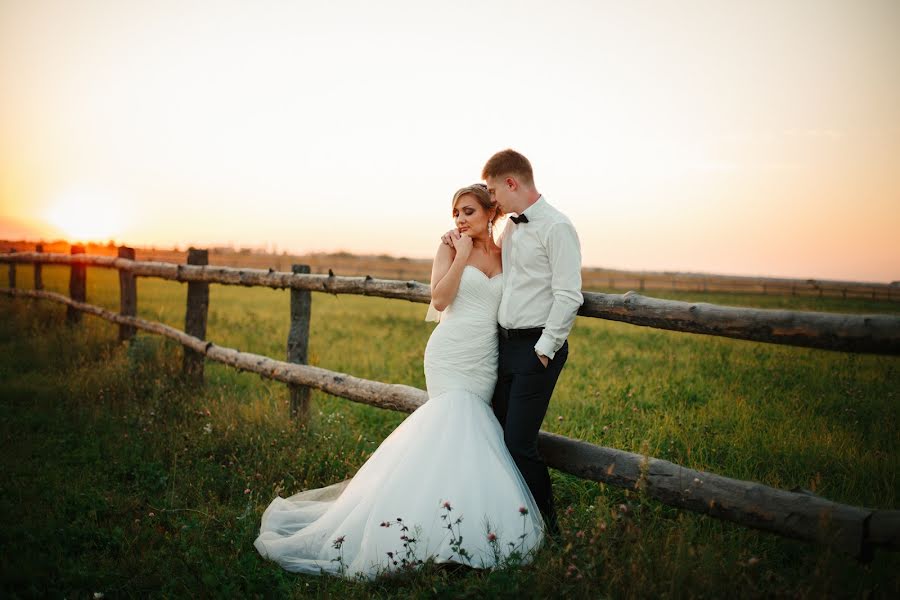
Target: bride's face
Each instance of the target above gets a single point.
(470, 216)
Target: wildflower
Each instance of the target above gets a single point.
(580, 534)
(523, 510)
(752, 561)
(151, 514)
(98, 594)
(623, 508)
(446, 505)
(492, 537)
(559, 418)
(247, 491)
(207, 428)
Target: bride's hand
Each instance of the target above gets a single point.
(450, 236)
(463, 246)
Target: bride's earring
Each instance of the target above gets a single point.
(490, 229)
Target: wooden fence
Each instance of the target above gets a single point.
(593, 278)
(798, 514)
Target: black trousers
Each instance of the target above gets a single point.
(523, 391)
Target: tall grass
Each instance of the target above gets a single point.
(121, 479)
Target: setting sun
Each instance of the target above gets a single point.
(86, 217)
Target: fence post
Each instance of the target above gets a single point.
(38, 274)
(298, 344)
(195, 317)
(77, 285)
(12, 270)
(127, 295)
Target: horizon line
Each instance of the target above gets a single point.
(262, 250)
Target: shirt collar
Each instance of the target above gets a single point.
(535, 209)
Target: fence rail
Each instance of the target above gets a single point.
(593, 278)
(854, 530)
(867, 333)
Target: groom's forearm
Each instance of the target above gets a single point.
(559, 322)
(564, 252)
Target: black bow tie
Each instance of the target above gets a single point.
(519, 219)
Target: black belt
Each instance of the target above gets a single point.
(520, 333)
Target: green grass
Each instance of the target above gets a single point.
(97, 435)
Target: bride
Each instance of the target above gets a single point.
(442, 486)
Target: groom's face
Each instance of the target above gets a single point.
(501, 192)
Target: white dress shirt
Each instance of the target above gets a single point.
(541, 275)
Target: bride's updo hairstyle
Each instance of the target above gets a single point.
(479, 190)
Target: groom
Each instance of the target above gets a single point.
(541, 295)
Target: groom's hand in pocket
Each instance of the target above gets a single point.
(544, 360)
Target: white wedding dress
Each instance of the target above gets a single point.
(448, 453)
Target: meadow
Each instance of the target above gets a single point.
(121, 479)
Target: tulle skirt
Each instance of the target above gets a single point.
(441, 487)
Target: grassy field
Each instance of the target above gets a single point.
(120, 479)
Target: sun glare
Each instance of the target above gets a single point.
(86, 217)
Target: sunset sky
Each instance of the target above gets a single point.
(757, 138)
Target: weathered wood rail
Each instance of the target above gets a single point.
(593, 278)
(854, 530)
(878, 334)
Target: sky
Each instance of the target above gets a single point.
(753, 138)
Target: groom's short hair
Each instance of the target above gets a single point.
(508, 162)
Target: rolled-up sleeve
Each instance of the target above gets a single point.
(564, 254)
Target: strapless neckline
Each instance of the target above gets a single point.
(485, 274)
